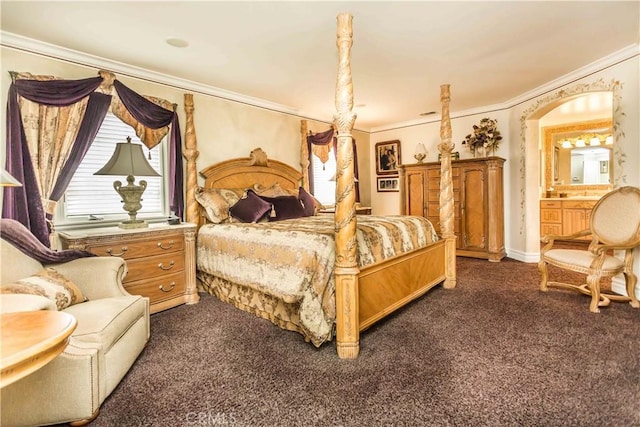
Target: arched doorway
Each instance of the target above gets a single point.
(531, 155)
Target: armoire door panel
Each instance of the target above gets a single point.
(474, 215)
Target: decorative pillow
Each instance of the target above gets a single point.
(308, 202)
(48, 283)
(285, 207)
(274, 191)
(251, 208)
(217, 201)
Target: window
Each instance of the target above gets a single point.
(324, 183)
(90, 194)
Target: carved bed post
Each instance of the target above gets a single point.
(190, 152)
(346, 270)
(446, 190)
(304, 154)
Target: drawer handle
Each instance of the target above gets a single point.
(124, 249)
(171, 286)
(169, 267)
(161, 246)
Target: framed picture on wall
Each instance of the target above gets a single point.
(388, 183)
(387, 157)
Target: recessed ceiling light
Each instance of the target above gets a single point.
(429, 113)
(175, 42)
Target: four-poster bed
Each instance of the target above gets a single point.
(362, 293)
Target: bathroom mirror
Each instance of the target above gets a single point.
(578, 150)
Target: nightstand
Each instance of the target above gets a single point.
(360, 210)
(161, 259)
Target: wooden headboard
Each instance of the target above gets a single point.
(244, 172)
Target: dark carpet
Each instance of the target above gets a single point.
(494, 351)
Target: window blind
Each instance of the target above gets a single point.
(90, 194)
(323, 187)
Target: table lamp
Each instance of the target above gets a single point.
(128, 160)
(6, 180)
(421, 152)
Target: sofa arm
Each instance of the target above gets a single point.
(97, 277)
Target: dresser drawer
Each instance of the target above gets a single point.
(550, 204)
(137, 248)
(159, 265)
(159, 289)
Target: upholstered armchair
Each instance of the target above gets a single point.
(615, 226)
(112, 330)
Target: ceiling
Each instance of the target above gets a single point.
(285, 53)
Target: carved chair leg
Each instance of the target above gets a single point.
(84, 422)
(544, 275)
(594, 286)
(631, 280)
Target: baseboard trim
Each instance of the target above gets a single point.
(529, 257)
(618, 286)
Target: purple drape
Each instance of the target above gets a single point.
(24, 203)
(97, 108)
(325, 138)
(154, 116)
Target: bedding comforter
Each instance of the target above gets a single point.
(293, 260)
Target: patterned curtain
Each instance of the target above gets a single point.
(320, 144)
(152, 118)
(47, 125)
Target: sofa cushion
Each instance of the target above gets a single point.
(104, 321)
(48, 283)
(11, 303)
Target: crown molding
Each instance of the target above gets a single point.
(594, 67)
(29, 45)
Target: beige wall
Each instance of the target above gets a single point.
(224, 129)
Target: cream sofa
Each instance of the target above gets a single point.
(112, 330)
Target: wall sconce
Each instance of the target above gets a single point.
(609, 140)
(566, 144)
(128, 160)
(580, 143)
(420, 153)
(594, 141)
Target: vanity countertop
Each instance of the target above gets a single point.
(572, 198)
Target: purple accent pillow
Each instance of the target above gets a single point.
(307, 201)
(251, 208)
(285, 207)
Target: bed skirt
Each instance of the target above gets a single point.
(283, 314)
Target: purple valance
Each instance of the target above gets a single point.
(58, 93)
(146, 112)
(322, 138)
(154, 116)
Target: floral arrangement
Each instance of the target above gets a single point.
(485, 135)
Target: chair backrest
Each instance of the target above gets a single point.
(615, 219)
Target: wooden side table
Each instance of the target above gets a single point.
(360, 210)
(161, 259)
(30, 340)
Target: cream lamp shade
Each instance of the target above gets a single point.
(128, 160)
(7, 180)
(420, 153)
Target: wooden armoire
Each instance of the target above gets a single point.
(479, 202)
